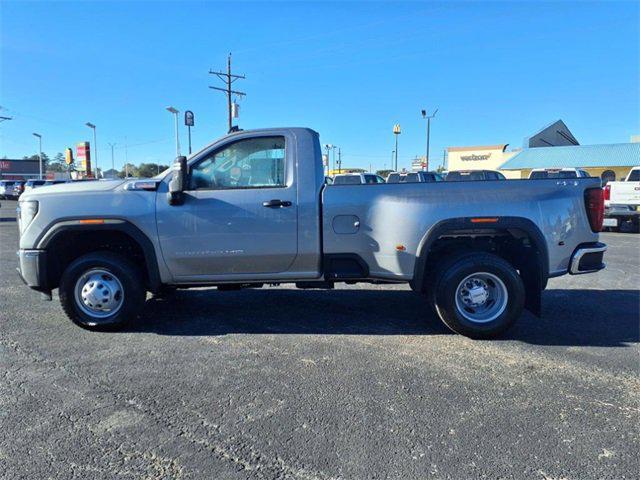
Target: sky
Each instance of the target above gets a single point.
(496, 72)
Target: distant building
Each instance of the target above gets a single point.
(19, 169)
(556, 134)
(609, 162)
(111, 173)
(481, 157)
(553, 146)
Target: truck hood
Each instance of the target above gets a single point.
(72, 188)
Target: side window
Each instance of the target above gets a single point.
(369, 179)
(251, 163)
(412, 178)
(379, 179)
(608, 176)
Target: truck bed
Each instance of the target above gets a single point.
(385, 224)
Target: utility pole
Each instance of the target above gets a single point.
(228, 78)
(339, 160)
(428, 117)
(113, 164)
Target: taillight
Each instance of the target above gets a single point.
(594, 203)
(607, 192)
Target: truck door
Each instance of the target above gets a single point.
(239, 216)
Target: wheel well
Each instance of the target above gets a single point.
(515, 245)
(69, 245)
(508, 244)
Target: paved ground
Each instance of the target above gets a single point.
(352, 383)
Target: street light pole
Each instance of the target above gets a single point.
(95, 144)
(428, 117)
(328, 146)
(175, 114)
(396, 132)
(39, 151)
(113, 164)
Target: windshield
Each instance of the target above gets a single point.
(634, 176)
(347, 180)
(553, 174)
(464, 176)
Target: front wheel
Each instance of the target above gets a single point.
(479, 295)
(101, 291)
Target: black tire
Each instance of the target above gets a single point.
(449, 276)
(127, 274)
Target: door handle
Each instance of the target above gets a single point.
(276, 203)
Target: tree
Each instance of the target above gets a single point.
(383, 173)
(58, 164)
(146, 170)
(128, 168)
(45, 160)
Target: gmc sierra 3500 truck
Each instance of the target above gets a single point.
(253, 208)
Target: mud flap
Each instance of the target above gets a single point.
(533, 286)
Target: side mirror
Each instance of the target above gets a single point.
(175, 195)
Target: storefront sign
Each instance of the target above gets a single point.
(474, 157)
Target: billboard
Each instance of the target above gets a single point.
(83, 154)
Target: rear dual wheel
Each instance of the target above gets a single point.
(478, 295)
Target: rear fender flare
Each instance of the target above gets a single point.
(534, 284)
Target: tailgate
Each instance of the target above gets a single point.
(625, 193)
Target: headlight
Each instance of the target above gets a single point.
(26, 213)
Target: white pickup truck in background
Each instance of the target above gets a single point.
(622, 202)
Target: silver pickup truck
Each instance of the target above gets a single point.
(253, 208)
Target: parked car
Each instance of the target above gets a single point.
(356, 178)
(622, 201)
(18, 188)
(541, 173)
(6, 189)
(480, 252)
(415, 177)
(31, 184)
(473, 175)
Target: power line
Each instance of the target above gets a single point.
(228, 78)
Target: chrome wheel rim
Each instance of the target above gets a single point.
(99, 293)
(481, 297)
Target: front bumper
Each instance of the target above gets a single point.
(33, 269)
(587, 258)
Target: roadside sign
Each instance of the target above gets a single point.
(83, 152)
(189, 119)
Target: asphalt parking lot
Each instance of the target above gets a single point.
(359, 382)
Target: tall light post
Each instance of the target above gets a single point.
(396, 132)
(95, 145)
(428, 117)
(175, 114)
(39, 151)
(328, 146)
(113, 164)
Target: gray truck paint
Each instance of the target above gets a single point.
(220, 236)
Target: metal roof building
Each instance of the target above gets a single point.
(578, 156)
